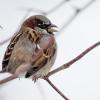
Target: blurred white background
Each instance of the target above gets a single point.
(81, 81)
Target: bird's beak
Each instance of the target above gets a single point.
(52, 29)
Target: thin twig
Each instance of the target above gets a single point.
(66, 24)
(57, 6)
(1, 27)
(44, 12)
(32, 10)
(68, 64)
(55, 88)
(77, 12)
(12, 77)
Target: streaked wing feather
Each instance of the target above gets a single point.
(31, 35)
(9, 51)
(36, 67)
(48, 51)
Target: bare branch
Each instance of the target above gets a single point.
(88, 4)
(32, 9)
(77, 12)
(68, 64)
(44, 12)
(1, 27)
(57, 6)
(12, 77)
(55, 88)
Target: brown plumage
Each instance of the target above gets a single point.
(32, 50)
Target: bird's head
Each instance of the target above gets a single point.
(40, 23)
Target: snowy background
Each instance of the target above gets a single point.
(81, 81)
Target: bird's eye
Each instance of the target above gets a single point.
(39, 24)
(42, 25)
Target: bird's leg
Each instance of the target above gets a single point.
(34, 79)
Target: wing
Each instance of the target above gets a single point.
(47, 49)
(9, 51)
(30, 34)
(42, 61)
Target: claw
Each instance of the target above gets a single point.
(34, 79)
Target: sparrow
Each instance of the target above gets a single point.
(32, 50)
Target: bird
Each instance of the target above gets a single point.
(32, 50)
